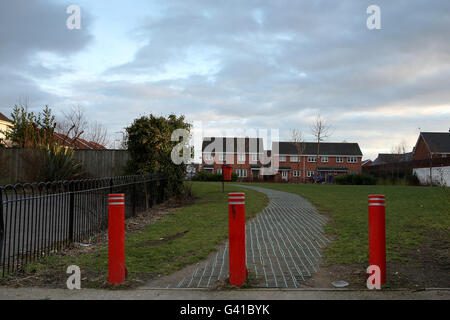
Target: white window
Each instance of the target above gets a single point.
(296, 173)
(312, 159)
(242, 173)
(219, 171)
(241, 157)
(282, 158)
(208, 157)
(294, 158)
(324, 159)
(284, 175)
(222, 157)
(339, 160)
(444, 156)
(310, 173)
(255, 158)
(352, 160)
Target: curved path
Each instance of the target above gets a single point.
(283, 247)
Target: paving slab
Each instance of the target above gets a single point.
(283, 248)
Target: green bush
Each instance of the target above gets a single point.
(150, 148)
(355, 179)
(60, 164)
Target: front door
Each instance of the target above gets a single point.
(284, 175)
(255, 175)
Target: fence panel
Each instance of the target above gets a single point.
(41, 218)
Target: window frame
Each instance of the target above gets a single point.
(241, 158)
(312, 157)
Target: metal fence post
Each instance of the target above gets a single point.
(134, 196)
(71, 210)
(2, 224)
(111, 185)
(161, 191)
(152, 192)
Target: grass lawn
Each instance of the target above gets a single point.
(415, 217)
(182, 236)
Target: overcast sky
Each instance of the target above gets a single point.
(236, 64)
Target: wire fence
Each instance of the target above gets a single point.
(37, 219)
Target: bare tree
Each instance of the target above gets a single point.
(74, 123)
(124, 141)
(97, 133)
(297, 139)
(321, 131)
(398, 152)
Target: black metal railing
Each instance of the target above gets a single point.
(37, 219)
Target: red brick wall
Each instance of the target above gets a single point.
(304, 166)
(422, 152)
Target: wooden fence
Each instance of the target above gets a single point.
(404, 168)
(19, 165)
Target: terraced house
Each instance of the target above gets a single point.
(297, 162)
(244, 155)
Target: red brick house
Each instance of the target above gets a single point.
(242, 154)
(298, 161)
(432, 145)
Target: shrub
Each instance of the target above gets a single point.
(59, 164)
(356, 179)
(150, 147)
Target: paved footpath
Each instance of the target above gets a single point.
(283, 248)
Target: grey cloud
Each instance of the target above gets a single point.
(27, 28)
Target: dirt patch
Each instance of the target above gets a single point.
(426, 267)
(152, 243)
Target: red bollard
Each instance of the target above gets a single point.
(377, 234)
(236, 225)
(116, 233)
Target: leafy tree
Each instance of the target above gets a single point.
(30, 130)
(37, 132)
(150, 146)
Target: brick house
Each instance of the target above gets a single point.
(297, 161)
(242, 154)
(5, 125)
(247, 157)
(77, 143)
(432, 145)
